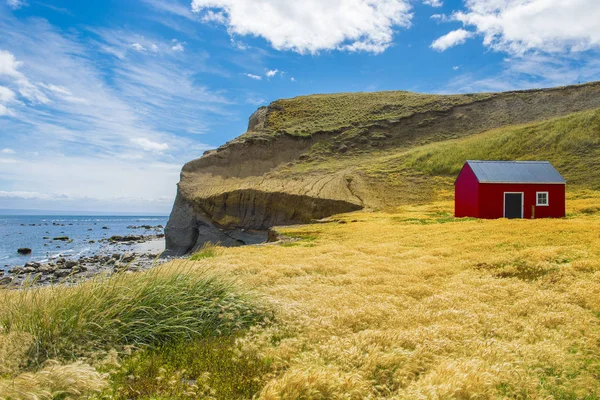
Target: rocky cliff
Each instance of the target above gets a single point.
(313, 156)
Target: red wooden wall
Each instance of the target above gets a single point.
(491, 199)
(466, 194)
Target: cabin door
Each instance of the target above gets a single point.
(513, 205)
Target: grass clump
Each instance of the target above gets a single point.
(208, 250)
(54, 381)
(147, 309)
(209, 368)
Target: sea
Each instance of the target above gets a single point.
(37, 231)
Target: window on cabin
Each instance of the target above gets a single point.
(542, 199)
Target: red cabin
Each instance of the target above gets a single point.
(509, 189)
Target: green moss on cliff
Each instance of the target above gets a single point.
(306, 115)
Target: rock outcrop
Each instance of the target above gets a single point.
(277, 175)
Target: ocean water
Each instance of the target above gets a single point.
(18, 231)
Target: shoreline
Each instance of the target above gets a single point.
(118, 256)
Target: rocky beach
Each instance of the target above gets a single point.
(48, 250)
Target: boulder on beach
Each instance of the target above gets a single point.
(127, 238)
(61, 238)
(24, 251)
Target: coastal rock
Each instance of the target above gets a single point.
(47, 269)
(61, 273)
(6, 280)
(62, 238)
(126, 238)
(258, 119)
(24, 251)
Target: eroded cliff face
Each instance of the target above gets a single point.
(265, 178)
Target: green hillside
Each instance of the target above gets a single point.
(571, 143)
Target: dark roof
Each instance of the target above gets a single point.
(515, 172)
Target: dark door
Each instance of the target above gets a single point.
(513, 205)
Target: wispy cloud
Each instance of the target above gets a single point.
(16, 4)
(451, 39)
(527, 72)
(79, 115)
(433, 3)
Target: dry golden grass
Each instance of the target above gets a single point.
(418, 305)
(54, 382)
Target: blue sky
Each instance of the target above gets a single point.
(102, 101)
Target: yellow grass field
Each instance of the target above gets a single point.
(406, 304)
(417, 305)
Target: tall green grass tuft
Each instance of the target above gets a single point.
(208, 250)
(145, 309)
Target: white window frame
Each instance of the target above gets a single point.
(537, 199)
(522, 203)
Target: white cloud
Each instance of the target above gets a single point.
(272, 72)
(57, 89)
(439, 17)
(7, 151)
(6, 95)
(150, 145)
(16, 4)
(308, 26)
(211, 16)
(293, 79)
(138, 47)
(9, 66)
(178, 47)
(433, 3)
(517, 26)
(456, 68)
(22, 195)
(252, 76)
(451, 39)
